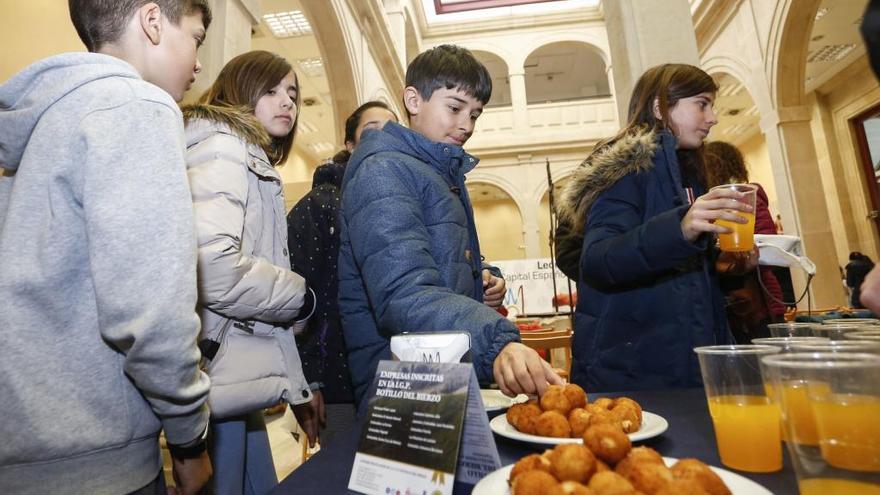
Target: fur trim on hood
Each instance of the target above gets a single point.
(237, 119)
(602, 169)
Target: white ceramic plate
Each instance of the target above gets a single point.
(652, 425)
(496, 482)
(495, 400)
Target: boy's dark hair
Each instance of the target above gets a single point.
(449, 66)
(353, 120)
(102, 21)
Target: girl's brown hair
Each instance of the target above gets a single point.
(724, 164)
(243, 81)
(666, 84)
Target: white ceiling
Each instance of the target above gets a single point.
(835, 43)
(558, 72)
(316, 135)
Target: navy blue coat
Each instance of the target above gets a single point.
(409, 259)
(313, 243)
(646, 296)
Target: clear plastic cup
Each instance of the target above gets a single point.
(742, 237)
(869, 335)
(835, 331)
(746, 421)
(830, 405)
(834, 346)
(852, 321)
(785, 343)
(790, 329)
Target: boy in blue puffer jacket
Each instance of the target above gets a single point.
(409, 259)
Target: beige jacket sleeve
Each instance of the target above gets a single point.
(231, 282)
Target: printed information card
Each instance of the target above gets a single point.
(425, 428)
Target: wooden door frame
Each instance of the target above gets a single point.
(863, 155)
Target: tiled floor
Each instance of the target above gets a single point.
(286, 449)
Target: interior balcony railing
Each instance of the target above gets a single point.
(563, 123)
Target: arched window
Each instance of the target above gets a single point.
(499, 222)
(497, 68)
(565, 70)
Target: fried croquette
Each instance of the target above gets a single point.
(578, 420)
(604, 416)
(694, 469)
(607, 442)
(594, 408)
(628, 417)
(610, 483)
(513, 413)
(649, 477)
(571, 488)
(604, 402)
(601, 466)
(682, 487)
(529, 463)
(572, 462)
(526, 418)
(635, 456)
(555, 400)
(576, 396)
(534, 482)
(552, 424)
(626, 401)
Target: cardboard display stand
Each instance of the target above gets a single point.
(425, 428)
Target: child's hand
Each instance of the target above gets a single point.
(714, 205)
(520, 370)
(493, 289)
(738, 263)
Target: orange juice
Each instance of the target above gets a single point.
(743, 236)
(849, 431)
(798, 411)
(747, 432)
(829, 486)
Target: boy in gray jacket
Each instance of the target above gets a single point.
(98, 259)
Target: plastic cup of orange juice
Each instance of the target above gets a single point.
(742, 239)
(830, 405)
(745, 419)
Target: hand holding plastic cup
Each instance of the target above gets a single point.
(830, 403)
(742, 237)
(746, 421)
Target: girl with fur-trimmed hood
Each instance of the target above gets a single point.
(642, 231)
(249, 298)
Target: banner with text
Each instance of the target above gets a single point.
(530, 286)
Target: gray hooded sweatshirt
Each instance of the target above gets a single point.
(97, 279)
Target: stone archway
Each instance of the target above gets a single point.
(790, 144)
(329, 31)
(502, 237)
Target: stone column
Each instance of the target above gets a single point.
(645, 33)
(397, 27)
(519, 102)
(802, 201)
(228, 35)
